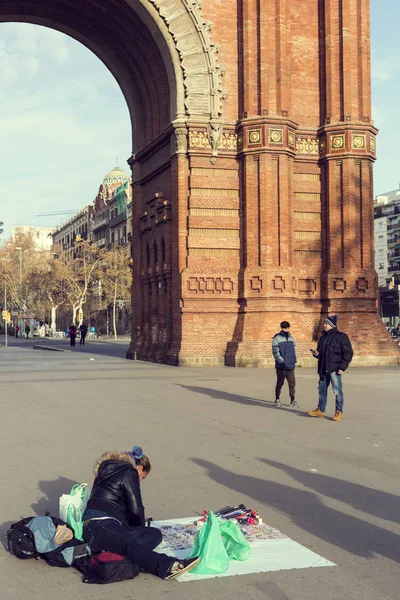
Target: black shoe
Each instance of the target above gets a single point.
(180, 567)
(294, 404)
(277, 403)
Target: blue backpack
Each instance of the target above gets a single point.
(33, 537)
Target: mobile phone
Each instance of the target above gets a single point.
(311, 350)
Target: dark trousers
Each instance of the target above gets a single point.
(82, 340)
(72, 340)
(137, 543)
(281, 375)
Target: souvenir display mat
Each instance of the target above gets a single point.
(271, 550)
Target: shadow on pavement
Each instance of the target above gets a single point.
(309, 513)
(52, 490)
(374, 502)
(219, 395)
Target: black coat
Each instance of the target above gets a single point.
(116, 490)
(338, 352)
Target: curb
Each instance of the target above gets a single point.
(51, 348)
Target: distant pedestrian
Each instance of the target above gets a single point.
(27, 330)
(284, 352)
(334, 353)
(16, 330)
(72, 334)
(83, 329)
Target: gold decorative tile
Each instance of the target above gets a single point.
(372, 143)
(254, 136)
(337, 142)
(291, 139)
(276, 136)
(359, 142)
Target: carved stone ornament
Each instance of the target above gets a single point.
(181, 140)
(307, 145)
(291, 139)
(214, 136)
(198, 55)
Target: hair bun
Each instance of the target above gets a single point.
(137, 452)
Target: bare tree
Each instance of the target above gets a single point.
(116, 279)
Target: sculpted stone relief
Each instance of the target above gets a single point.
(198, 55)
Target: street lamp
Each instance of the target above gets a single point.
(20, 287)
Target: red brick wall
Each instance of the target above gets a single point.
(281, 226)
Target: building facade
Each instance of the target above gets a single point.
(387, 237)
(41, 236)
(75, 229)
(112, 196)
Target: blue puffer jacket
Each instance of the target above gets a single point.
(284, 350)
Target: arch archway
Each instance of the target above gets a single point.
(278, 238)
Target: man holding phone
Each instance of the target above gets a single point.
(334, 353)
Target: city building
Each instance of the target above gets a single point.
(118, 225)
(107, 196)
(75, 229)
(387, 254)
(42, 236)
(387, 237)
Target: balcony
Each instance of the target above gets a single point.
(99, 224)
(117, 220)
(393, 226)
(394, 268)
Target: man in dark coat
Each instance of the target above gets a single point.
(284, 352)
(334, 353)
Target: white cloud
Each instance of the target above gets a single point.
(63, 120)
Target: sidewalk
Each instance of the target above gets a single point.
(214, 438)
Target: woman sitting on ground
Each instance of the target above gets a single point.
(114, 517)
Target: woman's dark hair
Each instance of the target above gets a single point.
(143, 462)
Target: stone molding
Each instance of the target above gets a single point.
(202, 74)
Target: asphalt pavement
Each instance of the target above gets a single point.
(214, 438)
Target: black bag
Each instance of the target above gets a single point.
(22, 543)
(106, 567)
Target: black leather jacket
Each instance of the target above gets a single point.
(338, 352)
(116, 490)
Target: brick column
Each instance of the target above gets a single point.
(349, 281)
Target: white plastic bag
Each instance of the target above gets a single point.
(72, 507)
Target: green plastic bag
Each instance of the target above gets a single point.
(236, 545)
(72, 507)
(209, 546)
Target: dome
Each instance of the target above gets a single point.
(117, 175)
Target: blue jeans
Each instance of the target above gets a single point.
(323, 385)
(137, 543)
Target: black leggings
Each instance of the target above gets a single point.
(137, 543)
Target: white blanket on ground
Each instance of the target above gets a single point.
(274, 553)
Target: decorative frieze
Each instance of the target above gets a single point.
(307, 145)
(213, 285)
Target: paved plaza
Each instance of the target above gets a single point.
(214, 438)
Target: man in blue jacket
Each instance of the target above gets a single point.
(284, 352)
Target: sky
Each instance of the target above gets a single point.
(64, 121)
